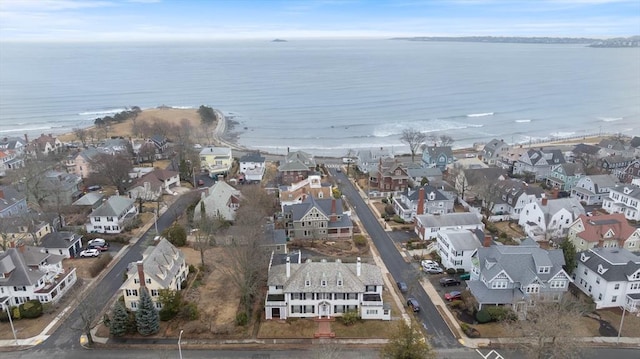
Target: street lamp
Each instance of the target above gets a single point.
(13, 330)
(179, 348)
(624, 309)
(155, 220)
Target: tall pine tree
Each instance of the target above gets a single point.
(119, 320)
(147, 317)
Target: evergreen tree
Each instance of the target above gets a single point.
(569, 251)
(147, 317)
(119, 323)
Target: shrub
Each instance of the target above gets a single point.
(482, 316)
(397, 219)
(100, 264)
(456, 304)
(4, 316)
(176, 234)
(470, 331)
(500, 313)
(31, 309)
(385, 201)
(451, 271)
(350, 317)
(359, 240)
(183, 284)
(388, 209)
(189, 311)
(242, 319)
(192, 268)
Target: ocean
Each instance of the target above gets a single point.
(330, 96)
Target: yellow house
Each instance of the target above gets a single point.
(162, 266)
(216, 160)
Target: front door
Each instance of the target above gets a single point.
(275, 313)
(324, 309)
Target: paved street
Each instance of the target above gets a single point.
(439, 334)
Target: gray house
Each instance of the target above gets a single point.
(317, 219)
(538, 162)
(426, 199)
(594, 189)
(517, 276)
(493, 150)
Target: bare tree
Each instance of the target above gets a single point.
(89, 312)
(208, 227)
(548, 328)
(31, 181)
(147, 152)
(446, 140)
(247, 261)
(407, 342)
(81, 134)
(414, 138)
(114, 170)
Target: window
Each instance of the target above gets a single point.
(598, 280)
(131, 292)
(134, 305)
(158, 305)
(155, 292)
(148, 280)
(614, 299)
(372, 311)
(96, 219)
(600, 296)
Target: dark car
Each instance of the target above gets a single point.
(402, 286)
(445, 282)
(102, 247)
(453, 295)
(413, 304)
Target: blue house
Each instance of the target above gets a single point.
(438, 157)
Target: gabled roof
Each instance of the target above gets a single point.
(596, 227)
(160, 262)
(155, 177)
(635, 142)
(315, 272)
(628, 190)
(22, 265)
(544, 157)
(586, 149)
(9, 196)
(255, 157)
(59, 239)
(512, 189)
(612, 143)
(89, 199)
(450, 219)
(297, 161)
(600, 182)
(435, 151)
(413, 195)
(299, 210)
(462, 240)
(89, 154)
(216, 151)
(476, 176)
(216, 201)
(113, 207)
(492, 147)
(612, 264)
(415, 170)
(569, 169)
(554, 205)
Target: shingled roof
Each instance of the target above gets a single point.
(612, 264)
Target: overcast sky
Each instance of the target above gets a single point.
(109, 20)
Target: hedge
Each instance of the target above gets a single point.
(31, 309)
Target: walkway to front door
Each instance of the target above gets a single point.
(324, 328)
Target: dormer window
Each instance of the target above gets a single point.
(307, 283)
(323, 282)
(584, 257)
(544, 269)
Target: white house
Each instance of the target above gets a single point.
(428, 225)
(152, 185)
(594, 189)
(493, 150)
(509, 196)
(28, 273)
(219, 200)
(457, 247)
(162, 266)
(547, 219)
(538, 162)
(112, 216)
(66, 244)
(611, 276)
(325, 289)
(624, 199)
(252, 166)
(517, 276)
(427, 199)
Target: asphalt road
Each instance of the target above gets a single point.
(66, 337)
(439, 334)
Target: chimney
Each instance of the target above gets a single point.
(141, 273)
(20, 247)
(1, 193)
(554, 192)
(420, 209)
(333, 216)
(544, 201)
(358, 267)
(289, 266)
(487, 240)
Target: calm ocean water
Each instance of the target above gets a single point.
(329, 96)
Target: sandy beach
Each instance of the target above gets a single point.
(222, 133)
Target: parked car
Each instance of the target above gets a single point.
(100, 247)
(413, 304)
(97, 241)
(91, 252)
(402, 286)
(465, 276)
(433, 270)
(445, 282)
(429, 263)
(453, 295)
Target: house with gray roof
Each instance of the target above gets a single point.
(151, 186)
(252, 166)
(81, 163)
(29, 273)
(61, 188)
(368, 159)
(112, 216)
(538, 162)
(632, 172)
(316, 218)
(12, 202)
(296, 166)
(437, 156)
(66, 244)
(93, 199)
(417, 173)
(615, 164)
(517, 276)
(509, 196)
(610, 276)
(428, 225)
(594, 189)
(162, 266)
(473, 182)
(456, 247)
(624, 198)
(324, 290)
(426, 199)
(493, 150)
(565, 176)
(549, 218)
(220, 201)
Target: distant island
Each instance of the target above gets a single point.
(279, 40)
(633, 41)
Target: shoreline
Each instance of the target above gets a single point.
(223, 135)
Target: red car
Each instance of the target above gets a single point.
(453, 295)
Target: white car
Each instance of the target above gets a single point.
(91, 252)
(429, 263)
(97, 242)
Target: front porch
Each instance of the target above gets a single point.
(57, 287)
